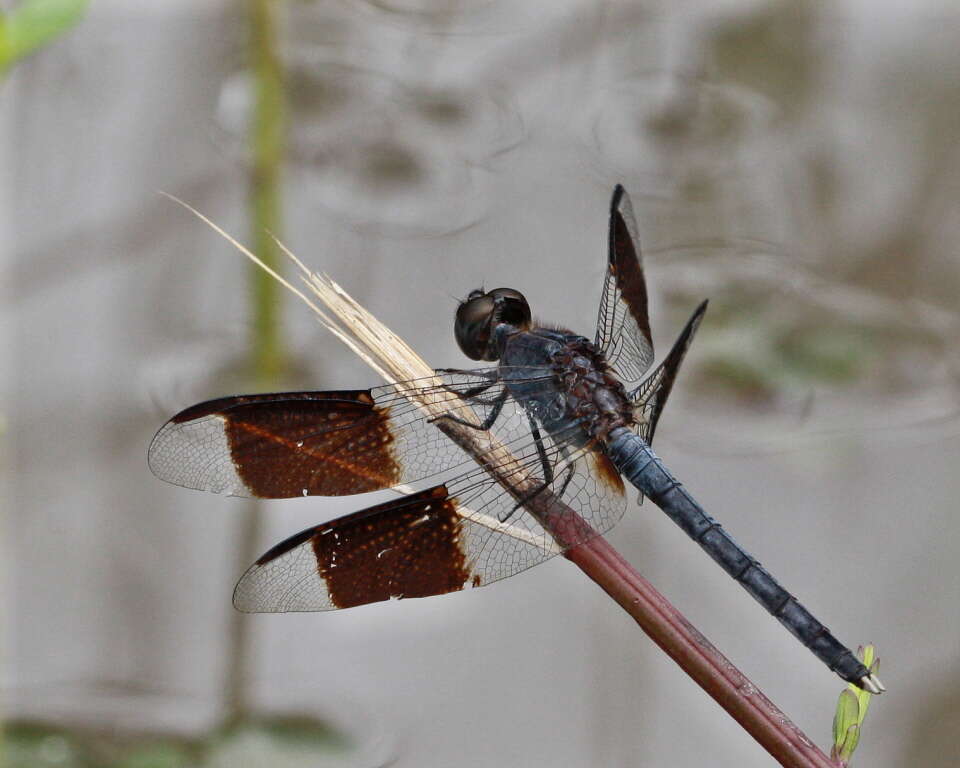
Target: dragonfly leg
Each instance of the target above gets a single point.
(471, 394)
(483, 373)
(539, 489)
(494, 414)
(566, 482)
(548, 475)
(491, 376)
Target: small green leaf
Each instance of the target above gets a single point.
(844, 750)
(851, 710)
(847, 715)
(34, 23)
(866, 654)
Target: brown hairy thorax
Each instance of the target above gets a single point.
(593, 393)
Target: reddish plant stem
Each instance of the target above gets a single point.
(667, 627)
(663, 623)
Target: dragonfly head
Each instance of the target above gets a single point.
(479, 315)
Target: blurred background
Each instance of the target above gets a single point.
(796, 163)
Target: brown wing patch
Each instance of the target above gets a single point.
(406, 548)
(626, 268)
(606, 472)
(320, 443)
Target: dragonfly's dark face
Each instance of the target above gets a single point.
(480, 313)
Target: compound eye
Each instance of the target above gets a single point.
(513, 306)
(508, 293)
(475, 310)
(472, 326)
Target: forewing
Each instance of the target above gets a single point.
(466, 532)
(623, 325)
(337, 443)
(279, 445)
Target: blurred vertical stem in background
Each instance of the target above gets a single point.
(267, 150)
(267, 357)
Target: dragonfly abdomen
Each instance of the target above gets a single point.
(644, 469)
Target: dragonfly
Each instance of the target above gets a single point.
(576, 419)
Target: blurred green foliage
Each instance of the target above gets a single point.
(33, 24)
(294, 741)
(31, 745)
(759, 351)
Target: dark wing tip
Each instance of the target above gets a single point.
(618, 193)
(680, 346)
(622, 219)
(694, 322)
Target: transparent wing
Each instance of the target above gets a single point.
(623, 325)
(289, 444)
(465, 532)
(651, 396)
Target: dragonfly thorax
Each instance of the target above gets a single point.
(593, 393)
(564, 381)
